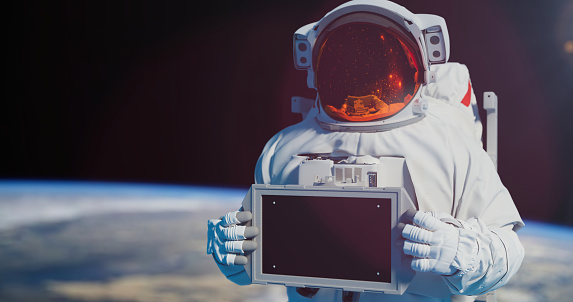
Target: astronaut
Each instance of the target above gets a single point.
(385, 88)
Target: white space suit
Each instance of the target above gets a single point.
(440, 140)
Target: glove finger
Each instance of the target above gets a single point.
(235, 247)
(239, 247)
(236, 217)
(231, 233)
(249, 246)
(238, 232)
(231, 259)
(244, 216)
(251, 232)
(417, 234)
(225, 259)
(240, 260)
(423, 265)
(416, 249)
(429, 222)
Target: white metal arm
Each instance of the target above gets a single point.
(490, 105)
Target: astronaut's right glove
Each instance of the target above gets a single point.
(226, 241)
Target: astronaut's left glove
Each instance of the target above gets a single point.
(472, 258)
(435, 245)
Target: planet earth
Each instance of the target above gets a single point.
(91, 241)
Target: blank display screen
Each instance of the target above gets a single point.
(327, 237)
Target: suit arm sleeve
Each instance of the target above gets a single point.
(496, 255)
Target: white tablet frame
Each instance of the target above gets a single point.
(401, 274)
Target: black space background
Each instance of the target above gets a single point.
(168, 92)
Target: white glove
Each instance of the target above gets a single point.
(434, 244)
(226, 238)
(472, 258)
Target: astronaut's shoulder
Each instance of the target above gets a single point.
(452, 84)
(451, 74)
(451, 67)
(299, 131)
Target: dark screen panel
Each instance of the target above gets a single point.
(327, 237)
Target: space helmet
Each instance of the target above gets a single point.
(368, 61)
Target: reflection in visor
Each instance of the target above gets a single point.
(365, 72)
